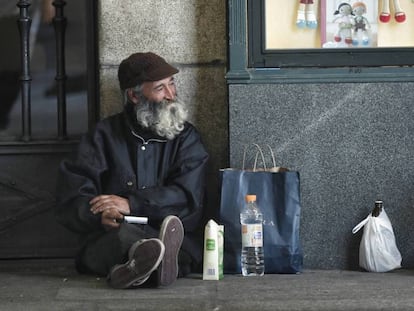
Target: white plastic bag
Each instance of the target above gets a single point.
(378, 251)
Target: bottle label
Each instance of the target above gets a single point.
(252, 235)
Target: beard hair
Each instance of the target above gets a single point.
(165, 118)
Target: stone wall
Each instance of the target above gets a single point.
(352, 144)
(191, 34)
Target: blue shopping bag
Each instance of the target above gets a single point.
(278, 197)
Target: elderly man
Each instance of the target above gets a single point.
(147, 161)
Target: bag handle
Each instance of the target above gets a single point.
(259, 151)
(274, 168)
(272, 154)
(361, 224)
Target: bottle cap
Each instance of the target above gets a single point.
(250, 197)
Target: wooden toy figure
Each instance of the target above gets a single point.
(306, 16)
(345, 23)
(385, 15)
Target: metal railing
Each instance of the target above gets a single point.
(59, 23)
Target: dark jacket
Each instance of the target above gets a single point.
(160, 177)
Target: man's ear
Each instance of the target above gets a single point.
(132, 96)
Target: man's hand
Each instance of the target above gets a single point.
(101, 203)
(109, 218)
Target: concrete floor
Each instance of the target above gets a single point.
(55, 285)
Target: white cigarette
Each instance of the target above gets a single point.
(136, 220)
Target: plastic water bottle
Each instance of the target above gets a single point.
(252, 256)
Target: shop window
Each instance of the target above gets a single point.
(289, 38)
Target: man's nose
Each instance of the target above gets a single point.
(169, 93)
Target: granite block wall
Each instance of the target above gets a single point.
(352, 144)
(191, 34)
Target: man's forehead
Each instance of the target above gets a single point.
(163, 81)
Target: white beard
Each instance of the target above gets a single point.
(165, 118)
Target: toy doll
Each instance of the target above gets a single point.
(385, 15)
(345, 23)
(361, 24)
(306, 16)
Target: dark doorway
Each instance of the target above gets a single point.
(29, 163)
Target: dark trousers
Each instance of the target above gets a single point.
(105, 249)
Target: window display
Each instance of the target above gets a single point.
(305, 24)
(350, 24)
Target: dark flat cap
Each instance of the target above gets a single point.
(142, 67)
